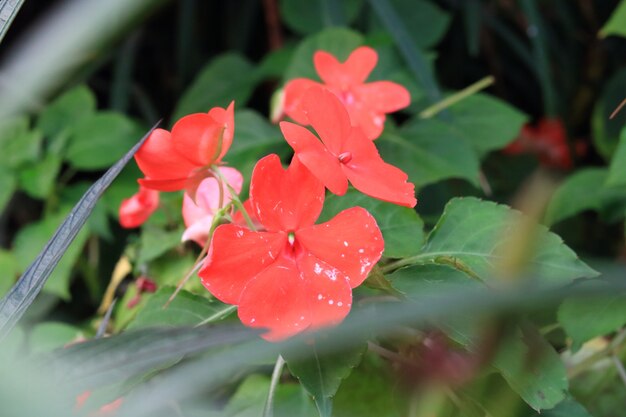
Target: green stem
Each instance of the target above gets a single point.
(268, 411)
(457, 97)
(235, 200)
(222, 313)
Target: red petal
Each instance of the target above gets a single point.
(164, 185)
(328, 116)
(236, 256)
(239, 219)
(384, 96)
(226, 118)
(350, 242)
(369, 121)
(197, 137)
(312, 153)
(369, 174)
(288, 298)
(136, 210)
(285, 199)
(158, 160)
(354, 71)
(294, 92)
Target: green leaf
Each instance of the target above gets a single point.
(583, 319)
(337, 41)
(66, 110)
(430, 151)
(617, 168)
(98, 140)
(249, 399)
(308, 17)
(31, 240)
(321, 375)
(226, 78)
(402, 228)
(605, 131)
(426, 23)
(186, 309)
(616, 25)
(533, 369)
(156, 241)
(18, 144)
(51, 335)
(486, 122)
(566, 408)
(38, 179)
(8, 184)
(9, 268)
(474, 232)
(367, 392)
(590, 183)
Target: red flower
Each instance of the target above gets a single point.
(181, 159)
(198, 215)
(548, 140)
(295, 275)
(344, 153)
(134, 211)
(367, 103)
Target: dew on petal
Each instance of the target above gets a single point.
(339, 304)
(345, 243)
(320, 297)
(317, 268)
(331, 302)
(361, 250)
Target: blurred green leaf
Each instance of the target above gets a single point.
(532, 368)
(486, 122)
(156, 241)
(51, 335)
(228, 77)
(97, 141)
(31, 239)
(38, 179)
(306, 17)
(337, 41)
(616, 24)
(18, 143)
(321, 375)
(402, 228)
(617, 167)
(566, 408)
(430, 151)
(186, 309)
(590, 183)
(8, 184)
(606, 131)
(584, 319)
(8, 266)
(249, 399)
(426, 23)
(66, 110)
(474, 234)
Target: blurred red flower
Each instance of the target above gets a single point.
(344, 153)
(295, 275)
(134, 211)
(182, 159)
(367, 103)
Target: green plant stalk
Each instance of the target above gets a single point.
(457, 97)
(235, 200)
(268, 410)
(222, 313)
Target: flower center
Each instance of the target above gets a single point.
(345, 157)
(291, 237)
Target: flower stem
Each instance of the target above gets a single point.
(456, 97)
(235, 198)
(268, 411)
(222, 313)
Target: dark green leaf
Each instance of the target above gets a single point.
(590, 183)
(9, 268)
(566, 408)
(617, 173)
(8, 184)
(425, 22)
(18, 144)
(306, 17)
(155, 242)
(226, 78)
(98, 140)
(336, 41)
(51, 335)
(186, 309)
(479, 235)
(15, 303)
(605, 131)
(583, 319)
(402, 228)
(533, 369)
(321, 375)
(486, 122)
(430, 151)
(66, 110)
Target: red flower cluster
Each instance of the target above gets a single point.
(284, 272)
